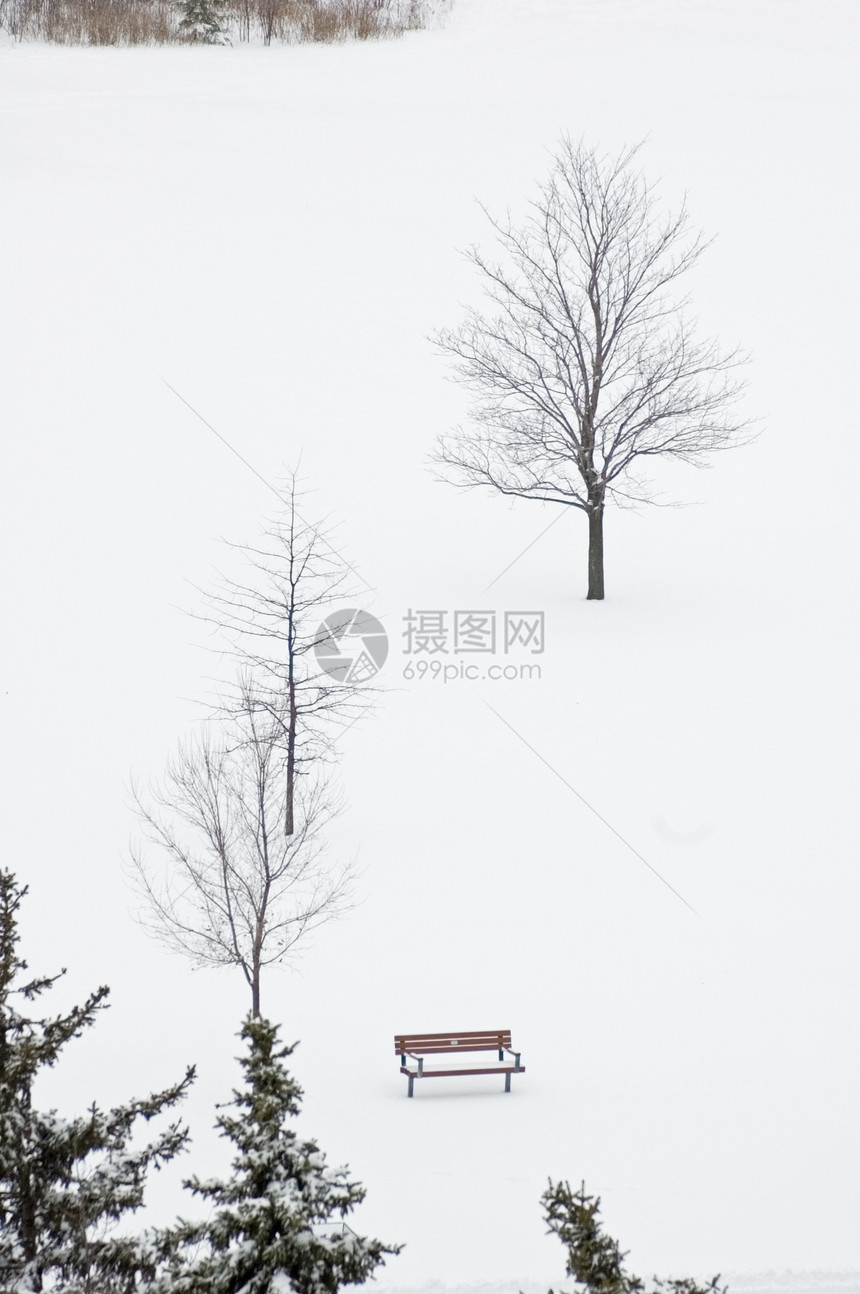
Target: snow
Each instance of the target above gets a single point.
(274, 234)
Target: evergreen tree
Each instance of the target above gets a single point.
(594, 1259)
(201, 21)
(66, 1183)
(269, 1227)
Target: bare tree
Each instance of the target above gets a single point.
(587, 367)
(239, 814)
(281, 626)
(238, 888)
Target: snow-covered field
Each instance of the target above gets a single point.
(274, 232)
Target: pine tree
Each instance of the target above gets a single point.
(269, 1227)
(594, 1259)
(201, 21)
(66, 1183)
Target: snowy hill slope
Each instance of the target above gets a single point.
(274, 233)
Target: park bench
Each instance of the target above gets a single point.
(418, 1046)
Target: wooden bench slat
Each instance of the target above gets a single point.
(464, 1033)
(448, 1051)
(433, 1042)
(452, 1033)
(455, 1073)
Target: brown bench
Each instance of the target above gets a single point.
(418, 1046)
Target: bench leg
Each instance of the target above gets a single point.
(411, 1081)
(507, 1082)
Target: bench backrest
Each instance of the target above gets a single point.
(430, 1044)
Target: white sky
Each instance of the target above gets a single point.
(274, 233)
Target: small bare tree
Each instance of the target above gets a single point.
(277, 626)
(238, 888)
(587, 368)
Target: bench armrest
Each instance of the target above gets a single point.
(420, 1060)
(516, 1055)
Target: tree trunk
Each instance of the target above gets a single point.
(595, 552)
(289, 824)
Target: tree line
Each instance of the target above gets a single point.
(69, 1185)
(212, 22)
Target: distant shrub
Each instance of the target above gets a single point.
(159, 22)
(203, 20)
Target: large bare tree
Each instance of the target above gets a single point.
(585, 368)
(235, 886)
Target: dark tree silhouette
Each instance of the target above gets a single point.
(278, 1222)
(67, 1183)
(594, 1259)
